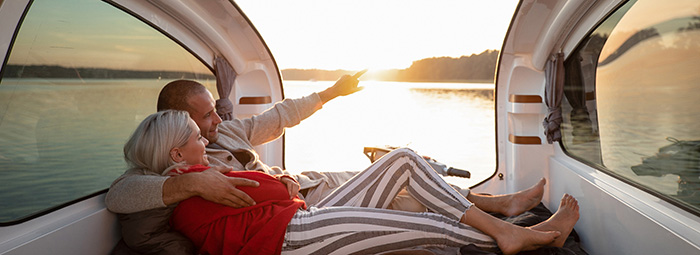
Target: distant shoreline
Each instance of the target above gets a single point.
(414, 81)
(477, 68)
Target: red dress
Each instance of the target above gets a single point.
(219, 229)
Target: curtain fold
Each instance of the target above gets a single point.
(575, 94)
(225, 77)
(553, 93)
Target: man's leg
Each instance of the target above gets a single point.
(323, 184)
(510, 239)
(510, 204)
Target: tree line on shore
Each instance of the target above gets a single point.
(61, 72)
(474, 68)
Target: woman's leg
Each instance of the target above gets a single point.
(511, 238)
(377, 186)
(357, 230)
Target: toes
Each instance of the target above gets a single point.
(569, 202)
(573, 203)
(567, 199)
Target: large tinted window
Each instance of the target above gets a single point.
(631, 98)
(80, 76)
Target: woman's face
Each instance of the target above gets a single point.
(193, 152)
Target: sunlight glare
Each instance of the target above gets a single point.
(386, 34)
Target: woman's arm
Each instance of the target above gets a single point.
(291, 183)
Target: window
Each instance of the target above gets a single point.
(450, 122)
(631, 93)
(79, 78)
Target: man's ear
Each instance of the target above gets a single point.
(175, 155)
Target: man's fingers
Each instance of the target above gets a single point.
(242, 198)
(358, 74)
(235, 198)
(236, 181)
(236, 202)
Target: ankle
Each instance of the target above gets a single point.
(506, 205)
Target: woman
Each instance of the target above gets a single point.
(353, 219)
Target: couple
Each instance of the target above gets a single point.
(222, 205)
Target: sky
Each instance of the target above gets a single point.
(376, 34)
(304, 34)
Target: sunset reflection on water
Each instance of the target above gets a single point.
(451, 122)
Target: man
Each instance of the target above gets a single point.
(231, 147)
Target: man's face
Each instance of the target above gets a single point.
(202, 111)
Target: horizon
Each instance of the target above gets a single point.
(481, 66)
(382, 70)
(178, 71)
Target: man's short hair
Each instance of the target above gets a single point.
(175, 94)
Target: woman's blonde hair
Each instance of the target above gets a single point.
(149, 146)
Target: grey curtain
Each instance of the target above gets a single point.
(225, 76)
(575, 93)
(554, 89)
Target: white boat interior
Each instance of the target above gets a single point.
(615, 82)
(619, 56)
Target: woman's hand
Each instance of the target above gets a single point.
(292, 185)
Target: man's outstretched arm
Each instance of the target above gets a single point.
(270, 125)
(346, 85)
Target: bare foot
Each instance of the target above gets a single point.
(524, 200)
(525, 239)
(563, 220)
(509, 238)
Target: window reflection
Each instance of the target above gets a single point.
(631, 98)
(80, 76)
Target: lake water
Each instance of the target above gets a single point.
(63, 139)
(451, 122)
